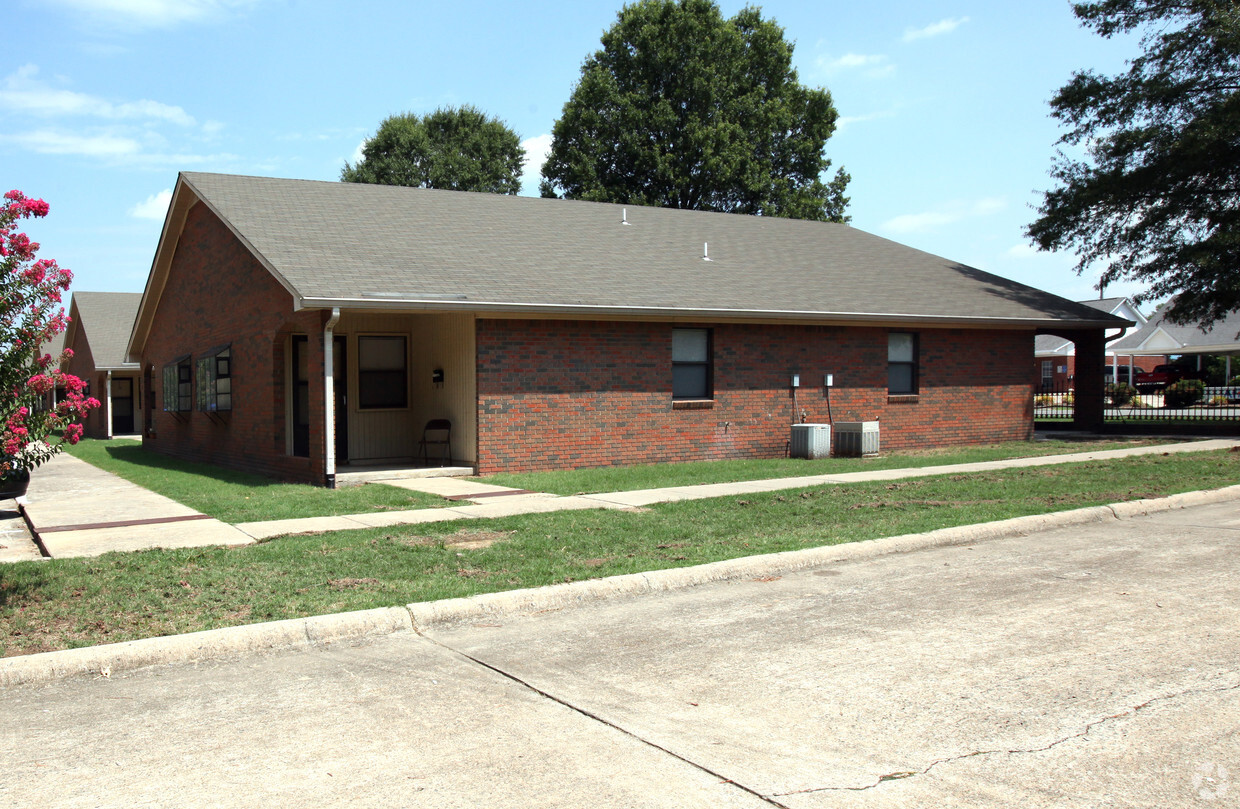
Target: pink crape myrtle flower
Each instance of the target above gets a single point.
(31, 315)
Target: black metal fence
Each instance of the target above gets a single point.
(1124, 405)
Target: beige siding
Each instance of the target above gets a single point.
(444, 341)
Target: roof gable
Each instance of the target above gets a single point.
(373, 246)
(106, 318)
(1163, 337)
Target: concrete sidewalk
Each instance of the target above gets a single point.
(495, 501)
(77, 509)
(16, 544)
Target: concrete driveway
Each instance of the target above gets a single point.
(1090, 666)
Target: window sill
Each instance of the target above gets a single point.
(692, 404)
(902, 398)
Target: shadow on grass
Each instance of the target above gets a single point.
(19, 581)
(138, 456)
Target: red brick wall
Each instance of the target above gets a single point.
(563, 394)
(218, 293)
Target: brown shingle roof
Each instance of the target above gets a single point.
(352, 244)
(107, 319)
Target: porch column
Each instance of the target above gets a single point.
(329, 398)
(107, 418)
(1090, 388)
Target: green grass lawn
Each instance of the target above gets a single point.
(234, 496)
(59, 604)
(630, 478)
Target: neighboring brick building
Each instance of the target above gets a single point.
(99, 328)
(1054, 358)
(556, 334)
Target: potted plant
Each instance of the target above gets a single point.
(31, 314)
(15, 480)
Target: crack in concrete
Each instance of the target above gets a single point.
(901, 775)
(723, 779)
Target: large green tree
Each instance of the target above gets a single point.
(459, 149)
(1149, 170)
(685, 109)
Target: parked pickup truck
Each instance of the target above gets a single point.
(1162, 376)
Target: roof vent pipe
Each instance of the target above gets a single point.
(705, 251)
(624, 216)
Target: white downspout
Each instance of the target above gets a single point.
(108, 418)
(329, 397)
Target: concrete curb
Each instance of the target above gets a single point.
(445, 614)
(212, 644)
(319, 630)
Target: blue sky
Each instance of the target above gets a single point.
(944, 119)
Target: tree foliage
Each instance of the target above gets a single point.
(30, 316)
(685, 109)
(458, 149)
(1156, 196)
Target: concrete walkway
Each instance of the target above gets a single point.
(16, 544)
(77, 509)
(496, 501)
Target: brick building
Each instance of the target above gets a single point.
(299, 328)
(98, 333)
(1054, 357)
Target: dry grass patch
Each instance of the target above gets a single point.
(350, 583)
(473, 539)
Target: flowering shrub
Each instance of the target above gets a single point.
(30, 316)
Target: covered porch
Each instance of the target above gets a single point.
(396, 395)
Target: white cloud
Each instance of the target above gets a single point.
(1022, 251)
(22, 92)
(849, 120)
(154, 13)
(536, 150)
(48, 141)
(872, 64)
(988, 205)
(947, 214)
(358, 154)
(181, 159)
(153, 207)
(212, 127)
(111, 148)
(934, 29)
(920, 222)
